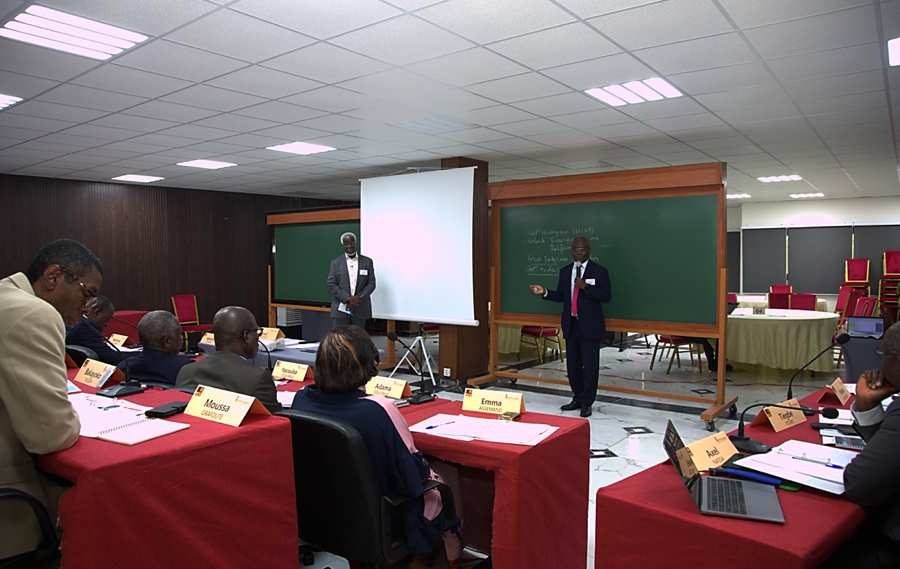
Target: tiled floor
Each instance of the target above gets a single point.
(614, 412)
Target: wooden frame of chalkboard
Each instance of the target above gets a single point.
(660, 232)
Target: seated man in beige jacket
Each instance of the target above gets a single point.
(35, 414)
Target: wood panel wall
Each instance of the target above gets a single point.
(153, 241)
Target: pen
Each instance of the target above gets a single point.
(429, 427)
(818, 461)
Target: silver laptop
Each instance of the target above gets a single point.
(725, 496)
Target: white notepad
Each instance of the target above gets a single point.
(140, 431)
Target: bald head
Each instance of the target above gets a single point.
(235, 329)
(159, 330)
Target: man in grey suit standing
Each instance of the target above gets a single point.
(351, 281)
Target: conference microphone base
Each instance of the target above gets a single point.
(746, 445)
(421, 397)
(122, 389)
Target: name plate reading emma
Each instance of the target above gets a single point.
(269, 334)
(711, 452)
(96, 374)
(118, 339)
(497, 402)
(208, 338)
(290, 370)
(387, 387)
(220, 406)
(780, 418)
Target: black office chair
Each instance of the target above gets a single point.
(340, 507)
(48, 550)
(80, 353)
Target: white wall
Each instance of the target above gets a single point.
(816, 213)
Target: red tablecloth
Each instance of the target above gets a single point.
(539, 493)
(207, 496)
(127, 326)
(648, 520)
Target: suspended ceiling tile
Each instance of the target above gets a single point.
(264, 82)
(484, 22)
(179, 61)
(87, 98)
(320, 18)
(662, 23)
(816, 33)
(409, 39)
(326, 63)
(557, 46)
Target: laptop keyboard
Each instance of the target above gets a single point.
(725, 496)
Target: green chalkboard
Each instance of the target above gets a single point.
(661, 254)
(303, 253)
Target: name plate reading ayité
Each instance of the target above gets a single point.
(220, 406)
(388, 387)
(118, 339)
(208, 338)
(711, 452)
(290, 370)
(96, 374)
(840, 390)
(780, 418)
(269, 334)
(496, 402)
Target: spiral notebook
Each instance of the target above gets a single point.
(118, 420)
(140, 431)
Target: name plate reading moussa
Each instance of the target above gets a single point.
(497, 402)
(118, 339)
(220, 406)
(290, 370)
(96, 374)
(388, 387)
(780, 418)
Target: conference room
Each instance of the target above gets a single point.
(186, 151)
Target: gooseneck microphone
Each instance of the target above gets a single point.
(268, 353)
(840, 340)
(747, 445)
(110, 344)
(127, 387)
(421, 396)
(129, 324)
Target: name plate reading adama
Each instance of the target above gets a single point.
(220, 406)
(711, 452)
(496, 402)
(290, 370)
(96, 374)
(118, 339)
(208, 338)
(780, 418)
(269, 334)
(840, 390)
(387, 387)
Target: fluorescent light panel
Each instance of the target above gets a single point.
(300, 148)
(791, 178)
(635, 92)
(64, 32)
(737, 196)
(815, 195)
(7, 100)
(207, 164)
(138, 178)
(894, 51)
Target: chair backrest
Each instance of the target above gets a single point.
(732, 297)
(891, 263)
(779, 300)
(781, 288)
(80, 353)
(843, 296)
(865, 306)
(48, 549)
(339, 502)
(185, 306)
(857, 270)
(801, 301)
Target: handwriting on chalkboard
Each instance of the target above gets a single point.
(549, 248)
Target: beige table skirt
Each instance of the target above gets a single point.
(783, 339)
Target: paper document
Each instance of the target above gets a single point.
(343, 308)
(119, 421)
(809, 464)
(492, 430)
(286, 398)
(72, 388)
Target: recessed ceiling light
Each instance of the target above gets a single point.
(300, 148)
(894, 51)
(737, 196)
(208, 164)
(635, 92)
(815, 195)
(138, 178)
(791, 178)
(7, 100)
(57, 30)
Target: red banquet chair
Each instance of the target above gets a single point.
(539, 336)
(781, 288)
(675, 343)
(780, 300)
(185, 306)
(803, 301)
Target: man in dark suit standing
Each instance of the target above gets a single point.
(583, 323)
(351, 281)
(873, 477)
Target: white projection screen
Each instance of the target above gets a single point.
(417, 228)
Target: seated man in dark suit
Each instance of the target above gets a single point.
(88, 331)
(231, 366)
(161, 339)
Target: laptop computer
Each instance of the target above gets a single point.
(865, 327)
(726, 497)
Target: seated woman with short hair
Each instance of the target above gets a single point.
(345, 361)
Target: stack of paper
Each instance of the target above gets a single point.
(805, 463)
(119, 421)
(465, 428)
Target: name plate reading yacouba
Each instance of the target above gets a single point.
(118, 339)
(780, 418)
(269, 334)
(840, 390)
(290, 370)
(387, 387)
(220, 406)
(96, 374)
(208, 338)
(496, 402)
(711, 452)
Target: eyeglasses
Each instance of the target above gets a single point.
(881, 354)
(88, 294)
(579, 249)
(258, 331)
